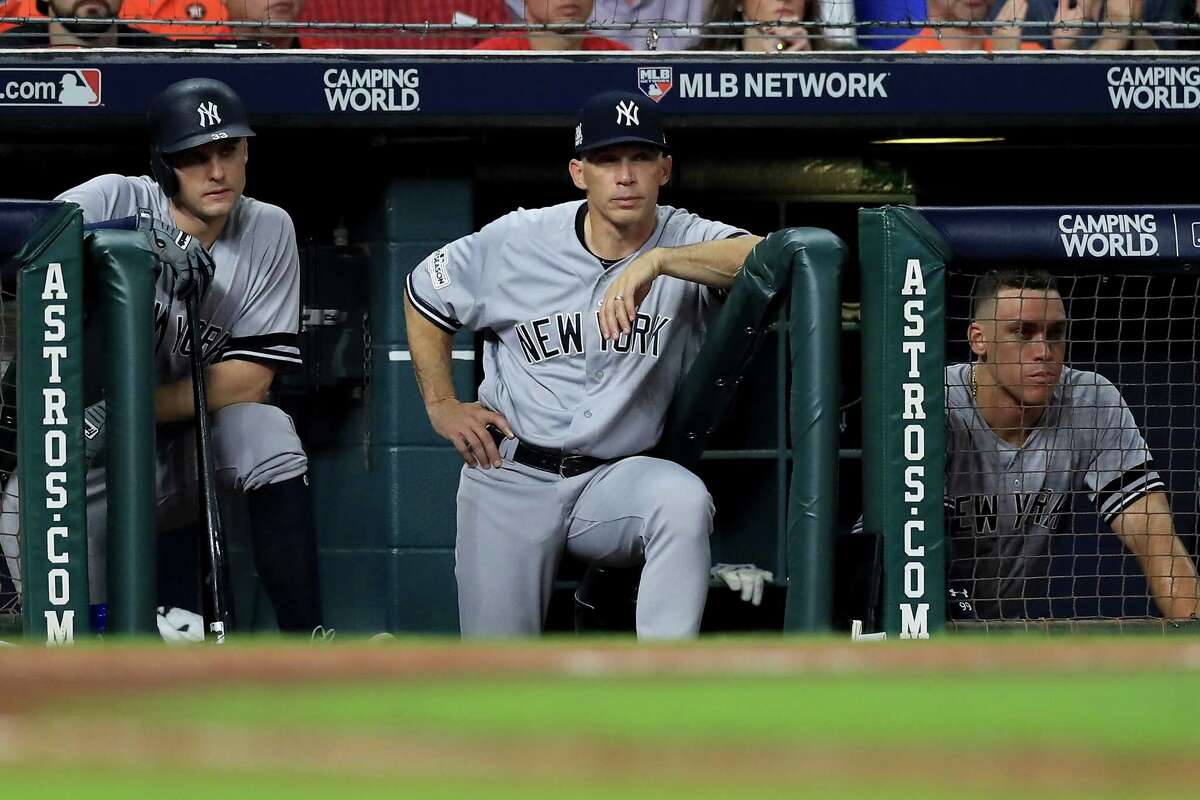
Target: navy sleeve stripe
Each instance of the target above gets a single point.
(429, 312)
(267, 341)
(1154, 485)
(1125, 482)
(258, 355)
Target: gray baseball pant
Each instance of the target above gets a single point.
(253, 445)
(514, 524)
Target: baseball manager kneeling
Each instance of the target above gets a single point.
(592, 311)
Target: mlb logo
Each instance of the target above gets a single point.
(79, 87)
(656, 82)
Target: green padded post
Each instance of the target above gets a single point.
(809, 260)
(123, 275)
(903, 262)
(50, 429)
(815, 330)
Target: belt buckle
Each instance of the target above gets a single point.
(566, 462)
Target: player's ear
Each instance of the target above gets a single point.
(667, 165)
(978, 340)
(575, 167)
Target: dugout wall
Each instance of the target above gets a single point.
(1131, 282)
(371, 186)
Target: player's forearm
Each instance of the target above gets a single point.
(226, 383)
(429, 346)
(1147, 530)
(714, 264)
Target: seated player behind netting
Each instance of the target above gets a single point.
(552, 12)
(250, 322)
(1023, 433)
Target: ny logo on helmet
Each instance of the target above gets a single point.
(627, 113)
(209, 114)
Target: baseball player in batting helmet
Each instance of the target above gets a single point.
(199, 133)
(595, 308)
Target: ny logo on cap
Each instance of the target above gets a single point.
(209, 114)
(627, 113)
(579, 134)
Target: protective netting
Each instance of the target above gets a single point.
(10, 573)
(1030, 521)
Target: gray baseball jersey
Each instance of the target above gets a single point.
(252, 311)
(530, 282)
(1003, 502)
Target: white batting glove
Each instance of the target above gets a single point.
(176, 625)
(745, 578)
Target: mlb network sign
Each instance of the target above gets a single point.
(657, 82)
(49, 87)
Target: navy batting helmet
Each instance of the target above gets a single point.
(188, 114)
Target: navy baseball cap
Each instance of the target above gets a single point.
(618, 118)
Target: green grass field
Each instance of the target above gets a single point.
(1028, 719)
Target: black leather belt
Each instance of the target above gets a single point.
(559, 463)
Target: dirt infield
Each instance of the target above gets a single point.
(81, 708)
(32, 674)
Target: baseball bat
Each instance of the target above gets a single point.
(218, 592)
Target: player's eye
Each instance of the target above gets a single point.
(188, 158)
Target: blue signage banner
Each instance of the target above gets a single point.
(1070, 234)
(398, 88)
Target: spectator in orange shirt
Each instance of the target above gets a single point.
(196, 10)
(266, 11)
(553, 12)
(95, 26)
(190, 10)
(973, 38)
(465, 13)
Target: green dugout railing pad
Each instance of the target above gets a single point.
(49, 429)
(903, 261)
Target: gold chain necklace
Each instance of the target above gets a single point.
(974, 385)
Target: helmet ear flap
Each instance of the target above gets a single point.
(163, 173)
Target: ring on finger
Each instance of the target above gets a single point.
(620, 297)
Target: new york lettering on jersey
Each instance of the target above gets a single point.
(1004, 502)
(249, 310)
(529, 281)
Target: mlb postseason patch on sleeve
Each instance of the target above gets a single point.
(438, 269)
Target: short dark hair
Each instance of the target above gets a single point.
(988, 286)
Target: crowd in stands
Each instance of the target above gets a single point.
(666, 25)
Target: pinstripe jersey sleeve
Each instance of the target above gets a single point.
(1120, 470)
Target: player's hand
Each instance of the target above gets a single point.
(619, 307)
(183, 254)
(745, 578)
(465, 426)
